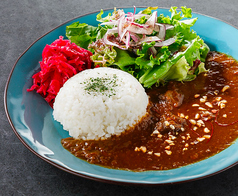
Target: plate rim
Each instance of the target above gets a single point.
(81, 174)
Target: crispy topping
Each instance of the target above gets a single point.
(196, 96)
(225, 88)
(168, 152)
(197, 116)
(206, 130)
(200, 139)
(207, 136)
(157, 154)
(209, 104)
(193, 122)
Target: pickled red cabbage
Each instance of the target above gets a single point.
(60, 61)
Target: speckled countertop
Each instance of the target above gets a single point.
(23, 173)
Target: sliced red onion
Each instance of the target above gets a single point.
(113, 22)
(105, 38)
(138, 16)
(135, 37)
(123, 33)
(162, 32)
(134, 10)
(165, 43)
(152, 20)
(140, 30)
(121, 20)
(139, 25)
(153, 50)
(113, 30)
(169, 27)
(107, 42)
(149, 39)
(119, 14)
(127, 29)
(128, 39)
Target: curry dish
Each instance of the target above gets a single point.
(186, 123)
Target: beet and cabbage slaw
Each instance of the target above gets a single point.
(152, 47)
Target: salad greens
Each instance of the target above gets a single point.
(153, 48)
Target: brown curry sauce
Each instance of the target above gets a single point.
(186, 122)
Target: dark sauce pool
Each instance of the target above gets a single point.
(186, 122)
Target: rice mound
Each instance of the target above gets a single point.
(98, 103)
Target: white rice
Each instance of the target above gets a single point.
(89, 114)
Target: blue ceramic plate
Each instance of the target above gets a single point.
(31, 117)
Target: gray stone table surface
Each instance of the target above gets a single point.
(23, 173)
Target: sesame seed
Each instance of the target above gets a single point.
(201, 108)
(195, 105)
(185, 149)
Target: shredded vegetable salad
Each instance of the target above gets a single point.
(152, 47)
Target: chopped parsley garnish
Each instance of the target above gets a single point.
(103, 85)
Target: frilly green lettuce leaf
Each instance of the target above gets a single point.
(104, 55)
(178, 71)
(123, 59)
(157, 73)
(83, 34)
(148, 10)
(149, 64)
